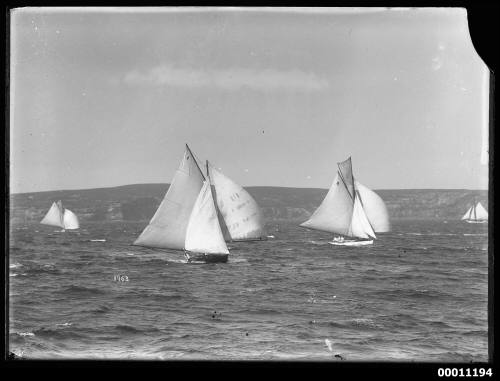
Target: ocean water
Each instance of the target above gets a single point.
(418, 294)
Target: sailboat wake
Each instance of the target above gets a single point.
(319, 243)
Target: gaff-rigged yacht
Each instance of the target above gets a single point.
(350, 210)
(187, 218)
(61, 217)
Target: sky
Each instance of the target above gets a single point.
(107, 97)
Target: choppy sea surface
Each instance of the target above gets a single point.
(419, 293)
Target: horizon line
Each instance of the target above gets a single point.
(247, 186)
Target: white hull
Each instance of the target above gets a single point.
(476, 221)
(351, 243)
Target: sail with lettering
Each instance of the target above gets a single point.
(60, 217)
(187, 218)
(241, 215)
(476, 214)
(350, 210)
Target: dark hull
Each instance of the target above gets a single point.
(249, 239)
(206, 258)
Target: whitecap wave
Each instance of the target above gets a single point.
(318, 243)
(25, 333)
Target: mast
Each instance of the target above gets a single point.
(220, 216)
(61, 212)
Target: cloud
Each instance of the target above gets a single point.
(227, 79)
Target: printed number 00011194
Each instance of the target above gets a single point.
(464, 372)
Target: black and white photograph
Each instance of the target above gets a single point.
(259, 184)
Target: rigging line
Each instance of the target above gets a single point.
(349, 193)
(342, 178)
(220, 217)
(195, 161)
(196, 157)
(361, 201)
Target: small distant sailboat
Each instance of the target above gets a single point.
(61, 217)
(350, 210)
(476, 214)
(187, 217)
(241, 219)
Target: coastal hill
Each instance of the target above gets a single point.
(138, 202)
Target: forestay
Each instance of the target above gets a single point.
(360, 226)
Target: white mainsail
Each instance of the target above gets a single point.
(167, 228)
(334, 215)
(70, 220)
(349, 208)
(481, 213)
(54, 216)
(203, 233)
(374, 207)
(240, 212)
(335, 211)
